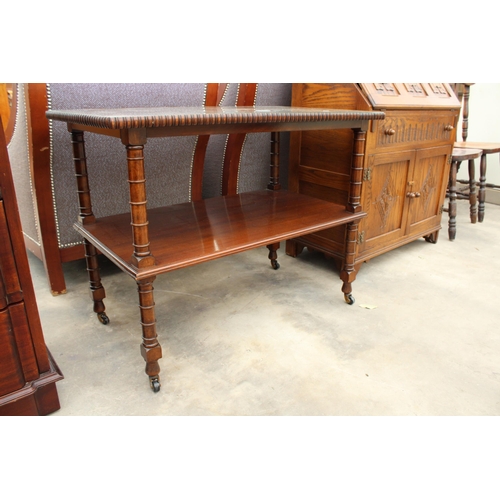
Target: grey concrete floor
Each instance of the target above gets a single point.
(239, 338)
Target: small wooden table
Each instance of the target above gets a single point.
(487, 148)
(176, 236)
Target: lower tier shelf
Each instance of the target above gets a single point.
(190, 233)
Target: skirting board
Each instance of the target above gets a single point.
(493, 196)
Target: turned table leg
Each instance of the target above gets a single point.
(150, 347)
(348, 272)
(452, 204)
(142, 256)
(86, 216)
(472, 192)
(274, 185)
(273, 255)
(482, 187)
(97, 292)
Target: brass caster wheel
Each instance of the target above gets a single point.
(349, 298)
(155, 384)
(275, 265)
(103, 318)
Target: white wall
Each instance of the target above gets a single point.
(484, 125)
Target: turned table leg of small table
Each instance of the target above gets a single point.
(482, 188)
(274, 185)
(150, 347)
(273, 255)
(452, 204)
(86, 216)
(97, 292)
(347, 275)
(472, 192)
(141, 258)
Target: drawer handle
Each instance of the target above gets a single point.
(448, 128)
(389, 131)
(413, 195)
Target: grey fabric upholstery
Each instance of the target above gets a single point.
(168, 161)
(20, 165)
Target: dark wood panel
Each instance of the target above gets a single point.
(8, 270)
(35, 398)
(24, 341)
(26, 370)
(11, 374)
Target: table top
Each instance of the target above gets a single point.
(207, 116)
(487, 147)
(461, 154)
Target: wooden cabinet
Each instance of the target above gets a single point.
(27, 372)
(406, 163)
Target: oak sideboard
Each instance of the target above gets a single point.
(405, 168)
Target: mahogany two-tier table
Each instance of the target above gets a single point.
(147, 242)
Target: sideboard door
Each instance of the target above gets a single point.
(429, 178)
(385, 180)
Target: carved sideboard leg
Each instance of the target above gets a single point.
(293, 249)
(150, 347)
(432, 238)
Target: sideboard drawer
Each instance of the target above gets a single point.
(409, 129)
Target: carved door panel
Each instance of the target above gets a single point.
(427, 190)
(385, 179)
